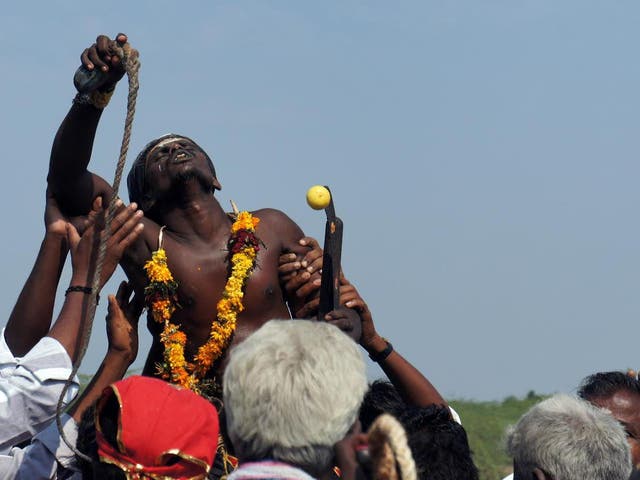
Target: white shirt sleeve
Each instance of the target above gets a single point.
(29, 389)
(455, 415)
(46, 457)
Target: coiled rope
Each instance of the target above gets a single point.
(131, 64)
(390, 454)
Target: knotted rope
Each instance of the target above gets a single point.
(391, 457)
(131, 65)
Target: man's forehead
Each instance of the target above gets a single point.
(167, 141)
(623, 404)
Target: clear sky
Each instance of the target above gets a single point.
(483, 157)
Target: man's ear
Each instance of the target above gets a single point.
(540, 475)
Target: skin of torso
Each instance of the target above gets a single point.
(201, 271)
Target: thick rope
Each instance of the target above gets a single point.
(391, 457)
(131, 64)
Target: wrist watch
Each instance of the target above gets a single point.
(382, 355)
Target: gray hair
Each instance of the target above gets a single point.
(291, 391)
(568, 438)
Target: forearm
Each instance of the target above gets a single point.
(113, 368)
(72, 317)
(413, 386)
(31, 316)
(68, 177)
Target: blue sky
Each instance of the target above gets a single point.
(483, 157)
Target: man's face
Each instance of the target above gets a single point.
(625, 407)
(176, 160)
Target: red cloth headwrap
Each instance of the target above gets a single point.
(163, 430)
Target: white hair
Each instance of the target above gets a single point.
(291, 391)
(570, 439)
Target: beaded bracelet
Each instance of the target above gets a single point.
(81, 289)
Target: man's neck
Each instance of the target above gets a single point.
(193, 215)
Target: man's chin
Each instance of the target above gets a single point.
(190, 176)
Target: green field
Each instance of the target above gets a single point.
(485, 423)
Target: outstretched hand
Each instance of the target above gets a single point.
(125, 229)
(123, 314)
(102, 55)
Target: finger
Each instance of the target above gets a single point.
(313, 265)
(308, 308)
(73, 237)
(342, 323)
(287, 258)
(84, 59)
(104, 47)
(297, 281)
(309, 242)
(357, 304)
(121, 220)
(291, 267)
(131, 237)
(131, 224)
(309, 287)
(112, 306)
(96, 59)
(97, 204)
(121, 38)
(335, 315)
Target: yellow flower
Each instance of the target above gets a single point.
(162, 290)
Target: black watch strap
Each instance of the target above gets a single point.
(380, 356)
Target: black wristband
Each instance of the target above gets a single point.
(81, 289)
(381, 356)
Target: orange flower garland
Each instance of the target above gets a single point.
(161, 296)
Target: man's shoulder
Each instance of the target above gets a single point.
(272, 216)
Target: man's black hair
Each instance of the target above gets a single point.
(606, 384)
(438, 443)
(87, 444)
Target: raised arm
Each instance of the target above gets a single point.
(125, 228)
(69, 180)
(413, 386)
(30, 318)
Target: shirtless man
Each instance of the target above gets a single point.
(173, 181)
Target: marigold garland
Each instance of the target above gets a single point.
(161, 296)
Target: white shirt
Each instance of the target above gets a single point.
(46, 457)
(29, 389)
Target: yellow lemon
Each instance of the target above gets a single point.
(318, 197)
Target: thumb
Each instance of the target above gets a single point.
(73, 237)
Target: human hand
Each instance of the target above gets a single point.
(350, 298)
(55, 222)
(122, 322)
(297, 270)
(346, 320)
(102, 55)
(125, 229)
(351, 452)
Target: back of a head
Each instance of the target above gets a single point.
(605, 384)
(569, 439)
(291, 391)
(439, 444)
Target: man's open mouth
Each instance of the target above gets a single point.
(181, 157)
